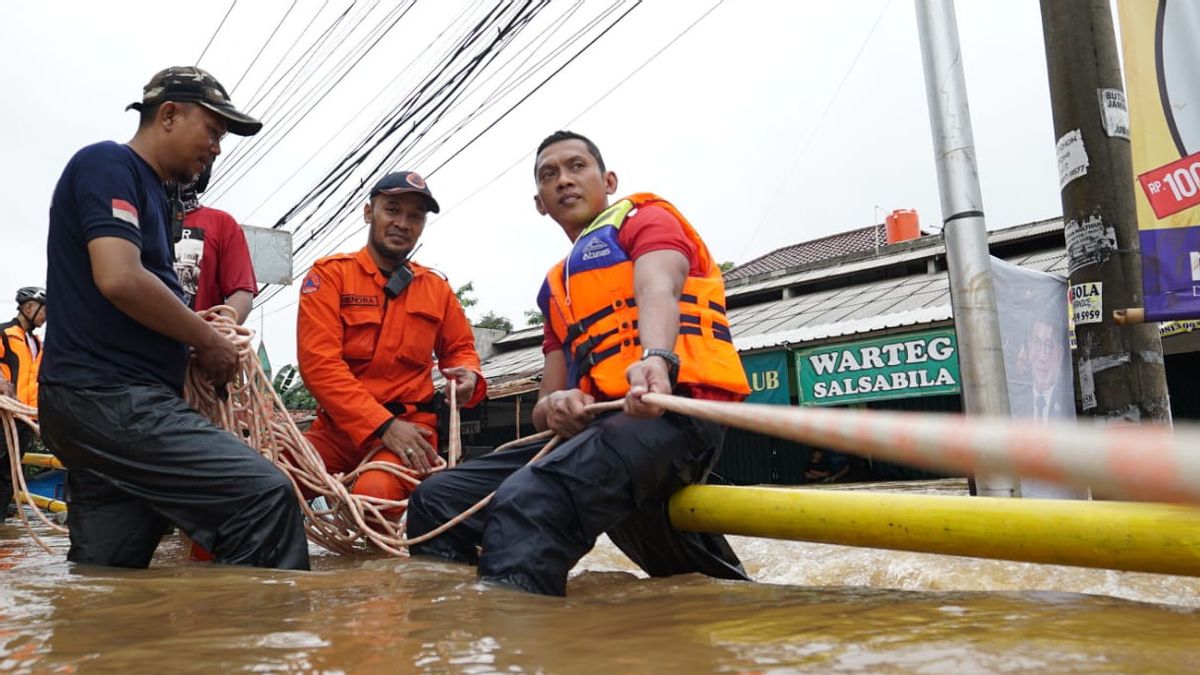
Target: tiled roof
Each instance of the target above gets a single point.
(806, 252)
(849, 310)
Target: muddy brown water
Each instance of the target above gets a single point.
(813, 608)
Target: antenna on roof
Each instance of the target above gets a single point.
(875, 223)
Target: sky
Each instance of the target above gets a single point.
(766, 123)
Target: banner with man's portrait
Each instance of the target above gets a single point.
(1037, 357)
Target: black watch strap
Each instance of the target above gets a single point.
(670, 357)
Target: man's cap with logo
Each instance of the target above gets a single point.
(404, 181)
(189, 84)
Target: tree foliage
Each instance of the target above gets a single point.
(291, 389)
(492, 320)
(464, 298)
(534, 317)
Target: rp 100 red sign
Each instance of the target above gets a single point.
(1174, 187)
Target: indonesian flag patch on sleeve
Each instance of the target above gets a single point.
(123, 210)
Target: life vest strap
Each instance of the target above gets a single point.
(714, 306)
(581, 327)
(584, 349)
(594, 358)
(719, 332)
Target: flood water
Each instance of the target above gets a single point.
(813, 608)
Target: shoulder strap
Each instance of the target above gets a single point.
(9, 359)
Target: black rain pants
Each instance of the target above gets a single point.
(615, 477)
(139, 457)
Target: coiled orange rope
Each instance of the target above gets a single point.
(249, 408)
(13, 411)
(252, 410)
(1138, 462)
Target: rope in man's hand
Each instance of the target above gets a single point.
(1081, 455)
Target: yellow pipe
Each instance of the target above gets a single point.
(1130, 536)
(51, 505)
(42, 459)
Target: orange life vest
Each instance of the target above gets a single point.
(588, 301)
(17, 363)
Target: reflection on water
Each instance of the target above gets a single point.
(815, 608)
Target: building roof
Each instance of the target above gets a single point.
(821, 315)
(859, 309)
(871, 238)
(890, 256)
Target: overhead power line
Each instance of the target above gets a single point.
(215, 32)
(353, 225)
(787, 176)
(263, 47)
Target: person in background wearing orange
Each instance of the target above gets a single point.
(20, 356)
(369, 326)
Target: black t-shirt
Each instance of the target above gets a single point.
(107, 190)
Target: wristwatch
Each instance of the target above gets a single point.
(670, 357)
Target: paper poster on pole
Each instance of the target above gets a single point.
(1037, 357)
(1087, 302)
(1161, 45)
(1072, 158)
(1114, 114)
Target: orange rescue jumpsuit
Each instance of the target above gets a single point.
(359, 349)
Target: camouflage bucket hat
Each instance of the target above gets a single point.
(188, 84)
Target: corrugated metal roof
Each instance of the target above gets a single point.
(862, 308)
(852, 327)
(522, 335)
(844, 311)
(917, 249)
(513, 364)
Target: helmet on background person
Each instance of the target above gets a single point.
(31, 293)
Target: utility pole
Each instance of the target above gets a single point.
(1120, 368)
(972, 294)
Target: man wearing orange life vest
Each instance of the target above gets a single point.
(637, 306)
(20, 357)
(368, 328)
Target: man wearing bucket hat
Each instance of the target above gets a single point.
(369, 326)
(110, 399)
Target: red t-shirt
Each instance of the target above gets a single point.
(654, 228)
(212, 260)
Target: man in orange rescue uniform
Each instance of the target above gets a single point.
(369, 326)
(637, 306)
(20, 357)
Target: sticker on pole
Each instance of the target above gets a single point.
(1087, 302)
(1173, 187)
(1072, 158)
(1089, 242)
(1087, 386)
(1114, 114)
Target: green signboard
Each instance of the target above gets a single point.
(900, 366)
(768, 377)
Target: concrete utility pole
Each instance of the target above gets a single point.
(1120, 368)
(972, 295)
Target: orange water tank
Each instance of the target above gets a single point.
(902, 225)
